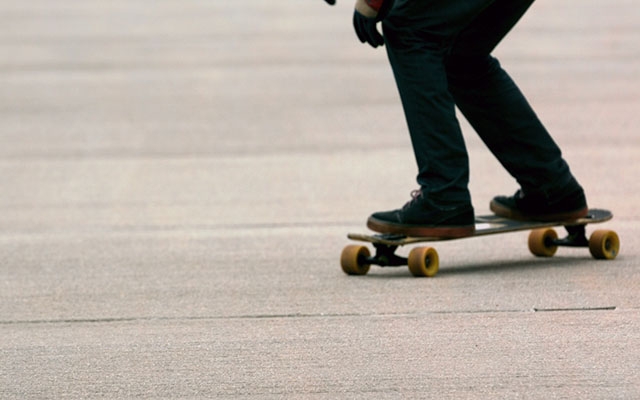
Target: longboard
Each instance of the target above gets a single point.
(424, 261)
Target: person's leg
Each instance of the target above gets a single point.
(429, 108)
(416, 47)
(418, 35)
(502, 117)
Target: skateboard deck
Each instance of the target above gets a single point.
(423, 261)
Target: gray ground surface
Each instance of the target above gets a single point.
(178, 179)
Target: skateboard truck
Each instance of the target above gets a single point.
(576, 237)
(386, 253)
(422, 261)
(386, 256)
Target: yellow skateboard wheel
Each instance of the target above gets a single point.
(604, 244)
(352, 258)
(540, 242)
(423, 261)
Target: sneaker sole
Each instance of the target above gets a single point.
(506, 212)
(445, 232)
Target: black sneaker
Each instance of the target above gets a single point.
(420, 217)
(569, 206)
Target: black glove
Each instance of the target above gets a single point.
(367, 30)
(332, 2)
(366, 16)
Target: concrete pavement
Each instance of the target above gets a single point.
(178, 179)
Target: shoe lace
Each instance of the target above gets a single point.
(416, 195)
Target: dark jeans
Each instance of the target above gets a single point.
(440, 53)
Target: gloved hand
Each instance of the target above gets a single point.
(366, 16)
(367, 30)
(332, 2)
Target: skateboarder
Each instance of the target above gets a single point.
(440, 53)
